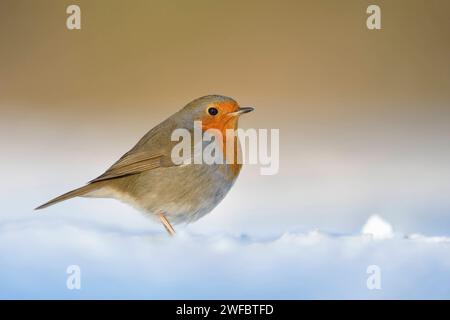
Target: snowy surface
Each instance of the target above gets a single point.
(378, 228)
(137, 263)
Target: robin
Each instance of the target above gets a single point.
(147, 178)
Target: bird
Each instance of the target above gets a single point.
(149, 180)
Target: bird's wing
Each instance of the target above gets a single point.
(131, 164)
(151, 152)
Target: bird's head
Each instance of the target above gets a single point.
(215, 112)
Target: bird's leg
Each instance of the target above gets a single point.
(166, 224)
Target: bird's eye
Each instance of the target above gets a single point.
(213, 111)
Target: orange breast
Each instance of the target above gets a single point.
(223, 122)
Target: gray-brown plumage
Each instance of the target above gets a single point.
(146, 177)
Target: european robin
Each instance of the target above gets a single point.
(147, 178)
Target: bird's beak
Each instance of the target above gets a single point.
(241, 111)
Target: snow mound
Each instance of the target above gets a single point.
(378, 228)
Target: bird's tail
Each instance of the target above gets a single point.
(71, 194)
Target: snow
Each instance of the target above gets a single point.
(133, 263)
(378, 228)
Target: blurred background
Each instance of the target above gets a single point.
(363, 115)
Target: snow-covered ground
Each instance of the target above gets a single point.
(135, 263)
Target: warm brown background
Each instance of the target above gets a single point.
(364, 115)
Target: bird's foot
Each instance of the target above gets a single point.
(166, 224)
